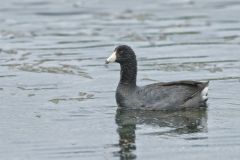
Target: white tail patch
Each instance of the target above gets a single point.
(204, 94)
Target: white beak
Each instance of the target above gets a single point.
(111, 58)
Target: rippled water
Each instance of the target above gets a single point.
(57, 96)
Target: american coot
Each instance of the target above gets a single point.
(157, 96)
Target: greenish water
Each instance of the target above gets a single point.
(57, 98)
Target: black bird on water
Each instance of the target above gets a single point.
(157, 96)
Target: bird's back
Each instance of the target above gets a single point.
(165, 96)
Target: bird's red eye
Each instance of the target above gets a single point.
(120, 52)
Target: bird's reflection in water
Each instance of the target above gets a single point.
(179, 122)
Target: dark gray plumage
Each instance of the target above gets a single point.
(157, 96)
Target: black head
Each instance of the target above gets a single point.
(122, 54)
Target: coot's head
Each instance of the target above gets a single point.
(122, 54)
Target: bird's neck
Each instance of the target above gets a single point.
(128, 73)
